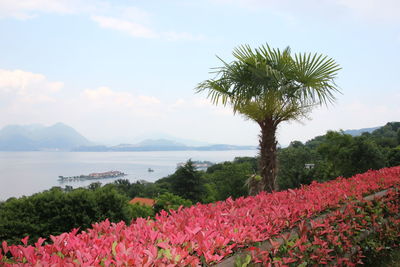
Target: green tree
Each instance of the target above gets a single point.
(365, 155)
(186, 182)
(123, 186)
(335, 149)
(347, 155)
(94, 186)
(152, 190)
(251, 160)
(210, 193)
(398, 137)
(168, 201)
(387, 136)
(139, 188)
(54, 211)
(140, 211)
(394, 157)
(292, 171)
(111, 205)
(269, 86)
(229, 179)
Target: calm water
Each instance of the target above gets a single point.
(25, 173)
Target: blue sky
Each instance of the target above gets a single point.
(117, 70)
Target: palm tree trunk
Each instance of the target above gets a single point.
(268, 164)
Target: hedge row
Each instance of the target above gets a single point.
(340, 238)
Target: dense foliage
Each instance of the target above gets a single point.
(200, 233)
(228, 179)
(169, 201)
(338, 154)
(341, 238)
(54, 211)
(185, 182)
(220, 181)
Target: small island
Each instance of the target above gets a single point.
(93, 176)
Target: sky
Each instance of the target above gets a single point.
(119, 70)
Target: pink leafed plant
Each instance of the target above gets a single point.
(201, 233)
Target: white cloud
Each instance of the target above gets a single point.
(201, 105)
(387, 10)
(270, 4)
(148, 100)
(139, 30)
(127, 19)
(104, 98)
(134, 14)
(216, 109)
(131, 28)
(177, 104)
(25, 9)
(27, 86)
(377, 10)
(178, 36)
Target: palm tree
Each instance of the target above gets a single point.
(269, 86)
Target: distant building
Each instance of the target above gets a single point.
(143, 201)
(106, 174)
(199, 165)
(309, 165)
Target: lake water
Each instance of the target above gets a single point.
(25, 173)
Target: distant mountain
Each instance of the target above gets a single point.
(148, 145)
(162, 145)
(358, 132)
(38, 137)
(159, 143)
(168, 137)
(221, 147)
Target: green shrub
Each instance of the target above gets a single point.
(137, 210)
(168, 201)
(55, 211)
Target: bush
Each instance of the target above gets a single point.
(341, 238)
(137, 210)
(229, 179)
(168, 201)
(54, 211)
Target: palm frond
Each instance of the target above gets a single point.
(316, 74)
(269, 82)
